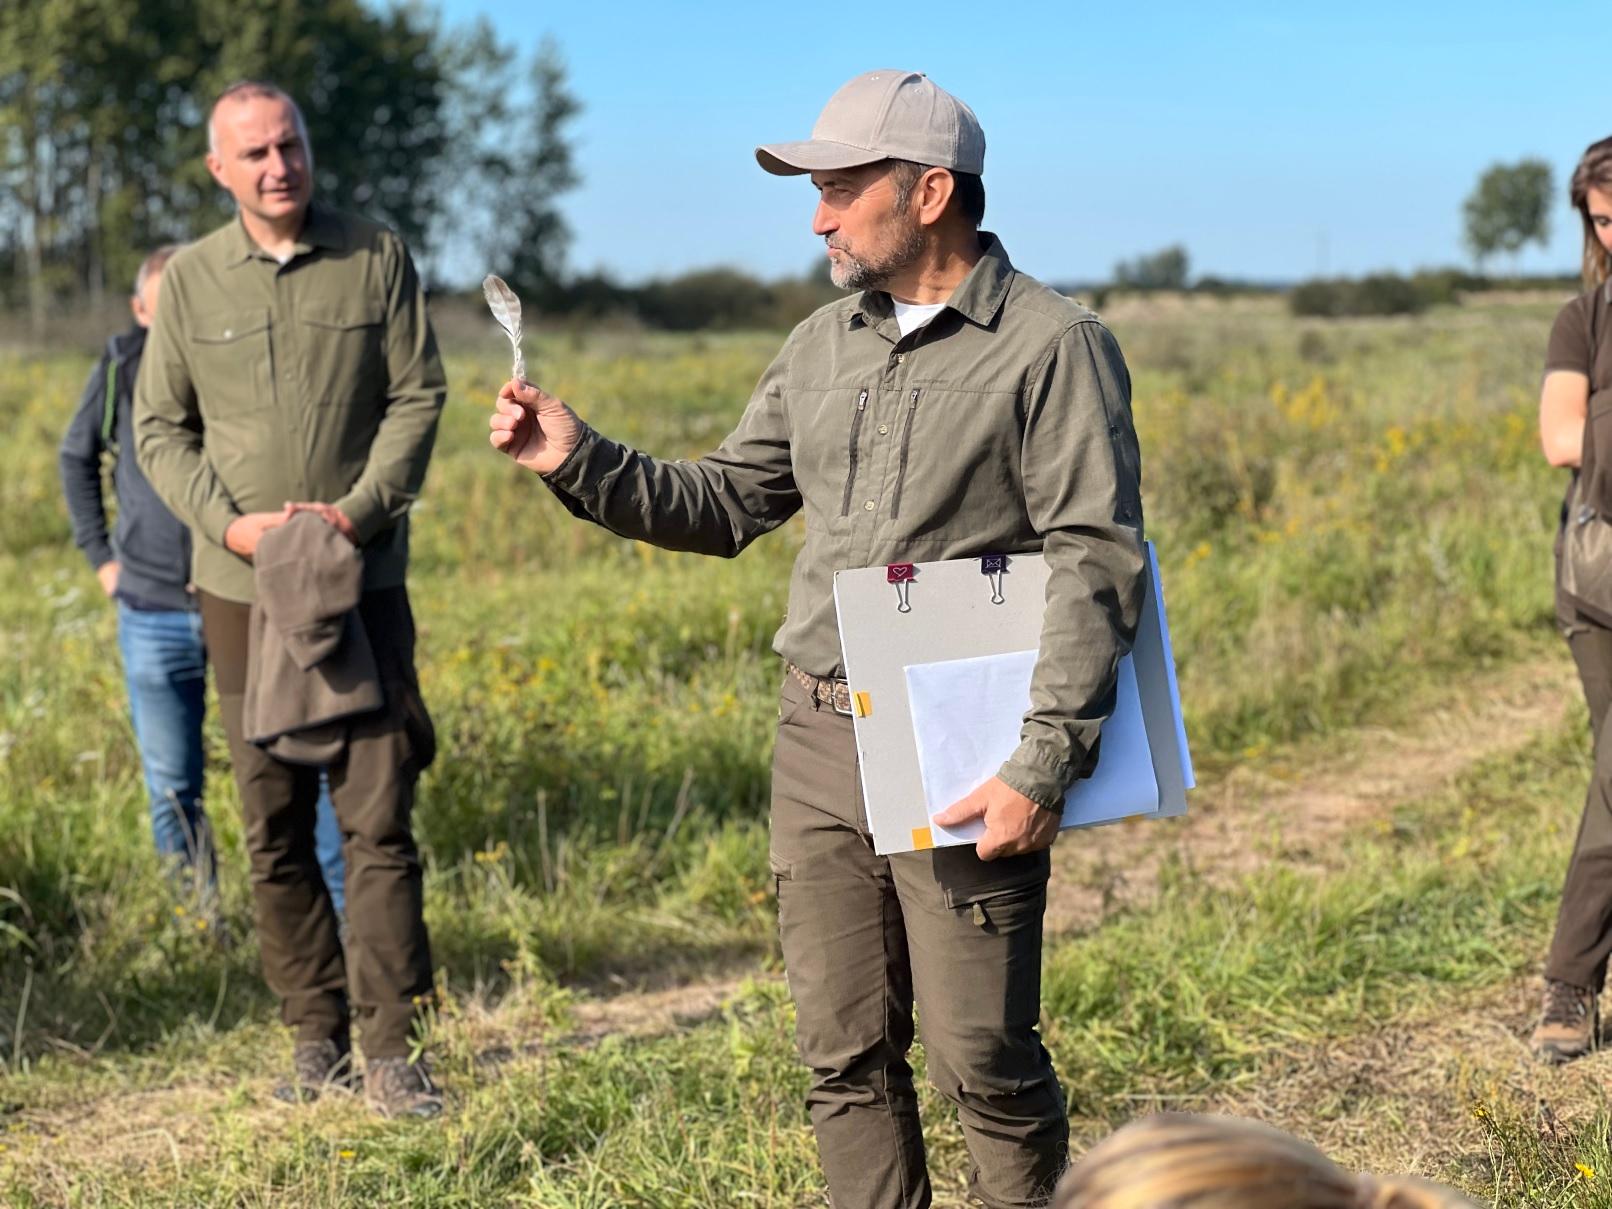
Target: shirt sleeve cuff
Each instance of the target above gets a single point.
(576, 476)
(216, 518)
(99, 553)
(1039, 774)
(365, 512)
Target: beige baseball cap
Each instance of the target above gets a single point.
(881, 115)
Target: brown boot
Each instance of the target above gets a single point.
(1569, 1023)
(396, 1087)
(317, 1067)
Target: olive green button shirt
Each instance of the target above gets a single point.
(1002, 426)
(315, 380)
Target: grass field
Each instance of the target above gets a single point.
(1354, 524)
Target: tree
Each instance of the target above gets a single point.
(102, 137)
(1510, 207)
(1165, 269)
(530, 236)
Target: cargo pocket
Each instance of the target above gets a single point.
(792, 698)
(994, 895)
(1001, 910)
(782, 870)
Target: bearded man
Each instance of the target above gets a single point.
(953, 407)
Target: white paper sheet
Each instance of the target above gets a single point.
(966, 718)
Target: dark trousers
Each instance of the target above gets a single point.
(1583, 940)
(865, 938)
(387, 964)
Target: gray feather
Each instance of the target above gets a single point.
(506, 308)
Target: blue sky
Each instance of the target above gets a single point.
(1272, 140)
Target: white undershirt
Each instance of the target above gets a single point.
(911, 316)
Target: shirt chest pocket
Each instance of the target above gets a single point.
(233, 362)
(343, 352)
(827, 448)
(953, 463)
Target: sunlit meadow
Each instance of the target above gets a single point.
(1349, 516)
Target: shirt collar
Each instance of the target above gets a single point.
(978, 297)
(319, 230)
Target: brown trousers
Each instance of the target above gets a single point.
(1583, 940)
(865, 937)
(372, 789)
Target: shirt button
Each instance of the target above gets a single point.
(228, 332)
(884, 430)
(900, 357)
(868, 505)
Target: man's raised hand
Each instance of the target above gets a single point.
(533, 427)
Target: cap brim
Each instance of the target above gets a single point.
(814, 155)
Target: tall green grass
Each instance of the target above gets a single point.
(1346, 515)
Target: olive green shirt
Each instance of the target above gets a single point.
(315, 380)
(1002, 426)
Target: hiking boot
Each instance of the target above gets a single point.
(396, 1087)
(317, 1067)
(1569, 1023)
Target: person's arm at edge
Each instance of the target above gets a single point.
(416, 390)
(1564, 400)
(79, 463)
(1564, 394)
(168, 423)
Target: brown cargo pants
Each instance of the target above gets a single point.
(1583, 939)
(388, 957)
(864, 938)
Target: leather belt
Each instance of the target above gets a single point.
(834, 693)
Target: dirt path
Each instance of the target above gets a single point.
(1413, 1095)
(1267, 810)
(1262, 811)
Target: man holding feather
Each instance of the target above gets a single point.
(951, 407)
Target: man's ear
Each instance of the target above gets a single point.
(934, 194)
(138, 310)
(216, 167)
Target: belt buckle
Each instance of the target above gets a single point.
(834, 697)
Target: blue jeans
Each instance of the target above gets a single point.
(165, 667)
(327, 849)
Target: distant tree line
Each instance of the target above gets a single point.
(443, 133)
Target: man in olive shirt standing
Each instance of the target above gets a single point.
(293, 368)
(953, 408)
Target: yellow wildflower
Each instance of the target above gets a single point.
(1585, 1170)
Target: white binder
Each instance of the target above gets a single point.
(939, 658)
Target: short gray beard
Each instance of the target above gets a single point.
(853, 273)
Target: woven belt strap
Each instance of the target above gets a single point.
(833, 693)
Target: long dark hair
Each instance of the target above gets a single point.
(1594, 171)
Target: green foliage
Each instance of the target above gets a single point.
(1166, 269)
(102, 152)
(1377, 294)
(1509, 208)
(529, 235)
(1348, 517)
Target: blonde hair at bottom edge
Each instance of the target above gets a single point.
(1177, 1161)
